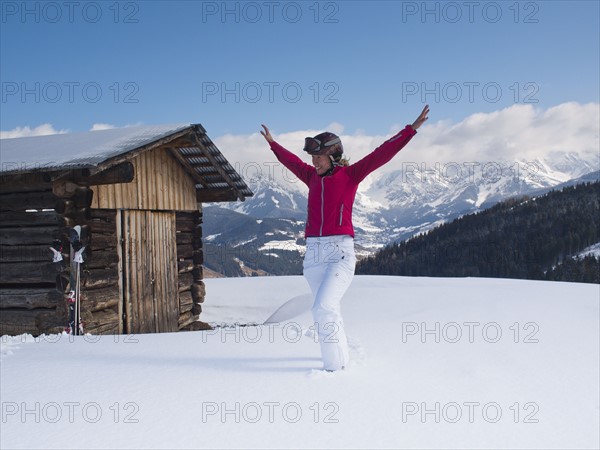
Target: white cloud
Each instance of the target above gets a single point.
(102, 126)
(518, 133)
(26, 131)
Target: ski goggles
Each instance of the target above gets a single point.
(314, 146)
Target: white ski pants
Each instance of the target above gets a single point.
(329, 268)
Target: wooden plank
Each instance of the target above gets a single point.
(103, 224)
(103, 241)
(103, 322)
(28, 273)
(217, 166)
(216, 195)
(189, 168)
(22, 201)
(185, 319)
(99, 299)
(30, 236)
(185, 301)
(173, 275)
(101, 259)
(99, 278)
(24, 182)
(26, 253)
(30, 298)
(119, 173)
(121, 304)
(15, 322)
(185, 251)
(198, 291)
(30, 219)
(185, 281)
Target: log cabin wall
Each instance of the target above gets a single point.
(190, 258)
(29, 222)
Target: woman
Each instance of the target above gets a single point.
(329, 260)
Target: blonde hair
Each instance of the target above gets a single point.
(345, 162)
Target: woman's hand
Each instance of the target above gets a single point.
(267, 134)
(421, 119)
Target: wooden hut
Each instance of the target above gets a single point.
(137, 194)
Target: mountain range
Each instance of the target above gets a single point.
(389, 206)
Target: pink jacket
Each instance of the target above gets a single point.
(330, 198)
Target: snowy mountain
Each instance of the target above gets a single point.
(272, 199)
(396, 205)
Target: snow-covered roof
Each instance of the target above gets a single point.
(98, 150)
(84, 149)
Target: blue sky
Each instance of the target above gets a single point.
(364, 65)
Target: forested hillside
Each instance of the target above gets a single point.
(532, 238)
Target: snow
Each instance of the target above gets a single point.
(523, 373)
(592, 250)
(289, 245)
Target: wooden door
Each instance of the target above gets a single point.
(149, 271)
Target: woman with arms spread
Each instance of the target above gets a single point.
(329, 260)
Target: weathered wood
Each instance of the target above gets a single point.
(186, 319)
(196, 308)
(121, 268)
(186, 265)
(185, 301)
(101, 225)
(107, 215)
(190, 170)
(73, 216)
(184, 238)
(28, 272)
(198, 325)
(15, 322)
(216, 195)
(101, 259)
(99, 278)
(197, 273)
(150, 288)
(99, 299)
(198, 257)
(51, 321)
(185, 251)
(32, 321)
(100, 241)
(26, 253)
(30, 219)
(206, 152)
(22, 201)
(24, 182)
(186, 216)
(30, 236)
(30, 298)
(185, 281)
(102, 322)
(160, 184)
(198, 291)
(64, 188)
(186, 225)
(120, 173)
(82, 197)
